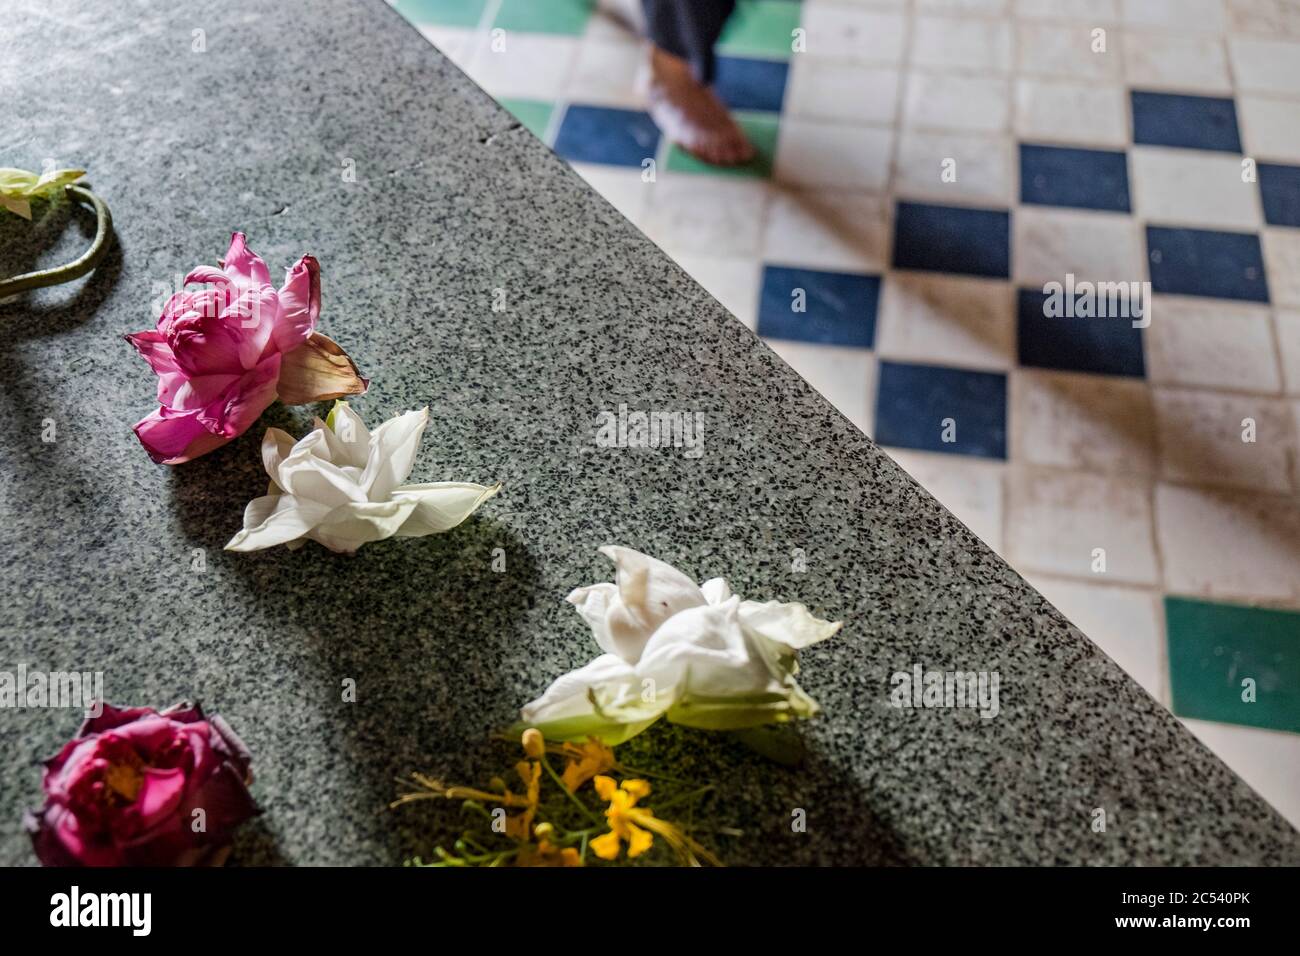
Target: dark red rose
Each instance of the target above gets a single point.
(129, 788)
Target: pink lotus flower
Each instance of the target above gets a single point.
(129, 788)
(223, 353)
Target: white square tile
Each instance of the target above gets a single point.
(1095, 246)
(622, 188)
(1266, 66)
(531, 66)
(968, 487)
(706, 214)
(830, 230)
(1049, 49)
(1288, 340)
(1094, 11)
(1056, 520)
(1094, 114)
(1201, 439)
(944, 101)
(1282, 265)
(1183, 16)
(845, 377)
(732, 281)
(605, 73)
(1210, 343)
(961, 43)
(812, 153)
(1229, 544)
(846, 32)
(983, 167)
(1270, 127)
(1084, 422)
(929, 318)
(840, 91)
(1268, 760)
(1184, 63)
(1193, 187)
(1124, 622)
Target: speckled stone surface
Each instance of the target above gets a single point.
(451, 200)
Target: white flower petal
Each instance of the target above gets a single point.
(788, 624)
(704, 651)
(348, 437)
(715, 590)
(391, 456)
(307, 472)
(349, 526)
(651, 590)
(276, 446)
(441, 505)
(566, 710)
(593, 604)
(275, 519)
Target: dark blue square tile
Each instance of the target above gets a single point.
(1083, 178)
(839, 308)
(952, 239)
(919, 406)
(1104, 345)
(1222, 265)
(745, 84)
(598, 134)
(1193, 122)
(1279, 187)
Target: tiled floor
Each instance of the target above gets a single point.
(925, 169)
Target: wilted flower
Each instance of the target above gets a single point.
(223, 353)
(341, 486)
(18, 187)
(137, 787)
(695, 654)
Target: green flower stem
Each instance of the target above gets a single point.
(78, 267)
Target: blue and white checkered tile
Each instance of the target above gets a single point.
(935, 180)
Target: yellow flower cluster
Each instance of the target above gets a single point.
(559, 830)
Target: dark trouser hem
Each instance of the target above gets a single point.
(688, 29)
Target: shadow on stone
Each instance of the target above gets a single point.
(413, 628)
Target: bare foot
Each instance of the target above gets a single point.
(690, 114)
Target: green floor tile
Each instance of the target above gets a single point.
(760, 28)
(761, 128)
(1213, 648)
(534, 114)
(544, 16)
(443, 13)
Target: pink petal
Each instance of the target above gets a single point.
(233, 413)
(299, 304)
(200, 391)
(205, 345)
(252, 318)
(243, 265)
(160, 794)
(166, 434)
(153, 347)
(208, 275)
(171, 437)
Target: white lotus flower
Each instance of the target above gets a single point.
(341, 485)
(698, 655)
